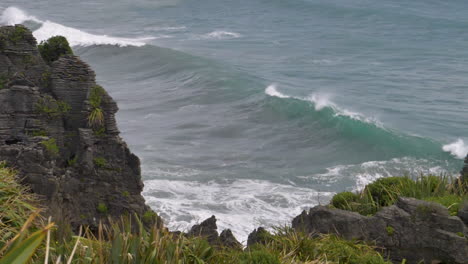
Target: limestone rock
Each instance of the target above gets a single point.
(411, 229)
(83, 175)
(227, 239)
(258, 236)
(208, 230)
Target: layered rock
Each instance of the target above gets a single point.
(209, 231)
(411, 229)
(84, 173)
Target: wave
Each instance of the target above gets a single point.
(76, 37)
(219, 34)
(362, 174)
(322, 101)
(356, 132)
(458, 149)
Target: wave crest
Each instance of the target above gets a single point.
(321, 102)
(458, 149)
(219, 34)
(76, 37)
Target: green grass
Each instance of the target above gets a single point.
(51, 146)
(16, 204)
(444, 190)
(96, 115)
(102, 208)
(100, 162)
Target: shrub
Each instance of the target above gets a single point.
(344, 200)
(17, 34)
(51, 146)
(102, 208)
(100, 162)
(53, 48)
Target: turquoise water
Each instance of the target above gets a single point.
(253, 110)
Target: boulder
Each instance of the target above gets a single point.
(411, 229)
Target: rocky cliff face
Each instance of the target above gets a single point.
(57, 127)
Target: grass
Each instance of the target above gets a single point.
(102, 208)
(451, 193)
(51, 146)
(100, 162)
(16, 204)
(96, 115)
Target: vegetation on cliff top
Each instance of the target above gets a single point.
(385, 192)
(53, 48)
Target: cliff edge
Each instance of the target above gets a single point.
(58, 129)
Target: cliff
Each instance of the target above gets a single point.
(58, 129)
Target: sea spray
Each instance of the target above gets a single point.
(75, 37)
(458, 149)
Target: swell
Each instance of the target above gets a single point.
(353, 129)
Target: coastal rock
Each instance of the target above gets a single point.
(227, 239)
(83, 174)
(411, 229)
(258, 236)
(209, 230)
(463, 213)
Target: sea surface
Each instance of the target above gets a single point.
(253, 110)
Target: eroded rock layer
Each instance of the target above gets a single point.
(58, 129)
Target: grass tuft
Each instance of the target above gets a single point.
(385, 192)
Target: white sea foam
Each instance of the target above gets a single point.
(367, 172)
(271, 91)
(322, 101)
(241, 206)
(458, 149)
(76, 37)
(219, 34)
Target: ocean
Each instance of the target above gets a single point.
(254, 110)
